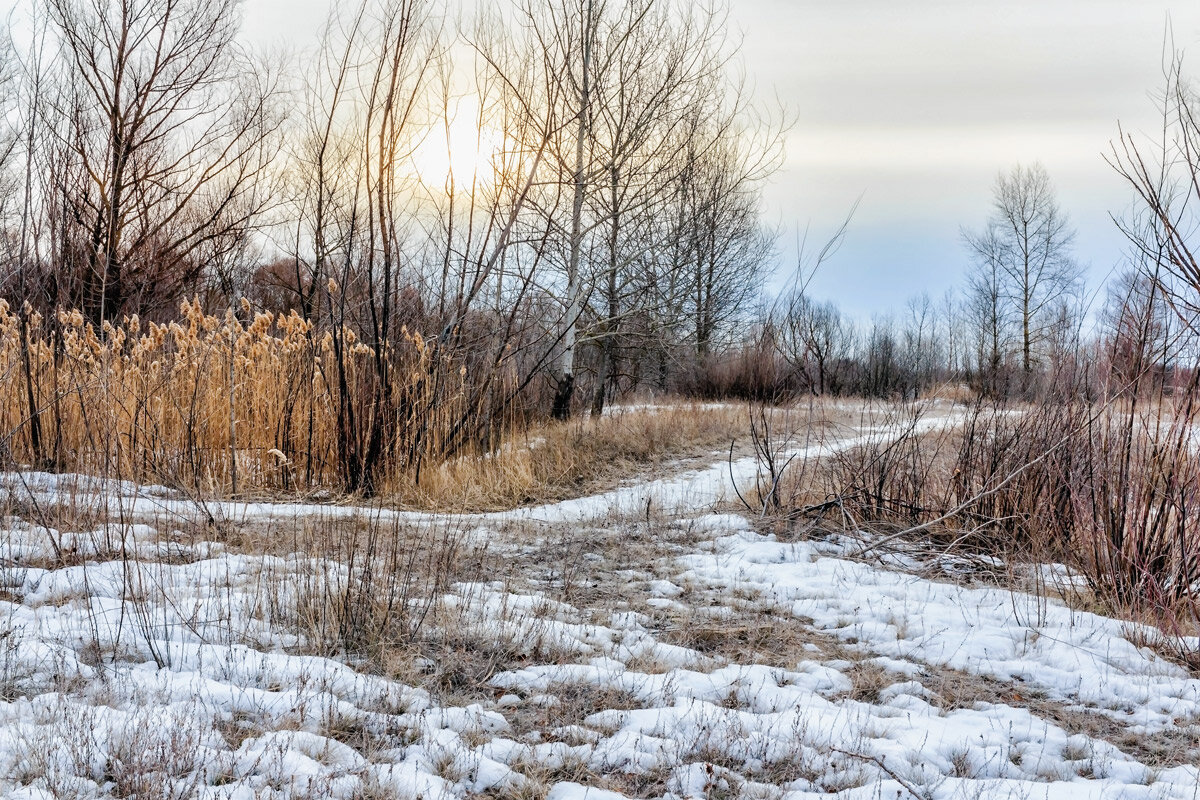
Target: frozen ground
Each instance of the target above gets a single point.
(609, 651)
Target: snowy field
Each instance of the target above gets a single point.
(632, 644)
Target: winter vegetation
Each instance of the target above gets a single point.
(420, 418)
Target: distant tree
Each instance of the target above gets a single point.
(1024, 258)
(986, 307)
(922, 350)
(881, 367)
(951, 331)
(816, 340)
(1138, 330)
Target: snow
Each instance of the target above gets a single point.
(134, 664)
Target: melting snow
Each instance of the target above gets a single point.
(173, 671)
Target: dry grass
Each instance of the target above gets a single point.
(218, 405)
(554, 461)
(387, 614)
(251, 404)
(1162, 749)
(375, 590)
(750, 634)
(747, 637)
(561, 719)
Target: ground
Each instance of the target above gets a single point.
(645, 642)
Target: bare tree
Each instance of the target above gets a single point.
(921, 346)
(395, 264)
(987, 307)
(951, 332)
(365, 111)
(724, 249)
(658, 73)
(1140, 332)
(545, 61)
(1025, 251)
(556, 42)
(165, 125)
(633, 103)
(882, 361)
(815, 339)
(1164, 172)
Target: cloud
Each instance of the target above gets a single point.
(916, 106)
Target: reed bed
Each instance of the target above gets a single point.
(243, 403)
(261, 405)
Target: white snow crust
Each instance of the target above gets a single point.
(173, 670)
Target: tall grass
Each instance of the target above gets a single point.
(551, 461)
(243, 403)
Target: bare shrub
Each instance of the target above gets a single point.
(372, 583)
(890, 476)
(1107, 485)
(1137, 508)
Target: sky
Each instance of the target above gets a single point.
(912, 108)
(916, 106)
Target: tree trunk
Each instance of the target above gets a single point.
(608, 347)
(562, 397)
(603, 374)
(566, 379)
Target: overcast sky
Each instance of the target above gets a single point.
(916, 105)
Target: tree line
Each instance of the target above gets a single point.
(1021, 325)
(554, 188)
(461, 227)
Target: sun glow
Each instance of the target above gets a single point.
(459, 154)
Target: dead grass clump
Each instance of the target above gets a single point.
(868, 679)
(748, 638)
(258, 404)
(541, 776)
(1110, 488)
(457, 669)
(74, 751)
(50, 518)
(645, 783)
(901, 472)
(366, 737)
(911, 468)
(564, 707)
(787, 442)
(467, 640)
(366, 586)
(953, 689)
